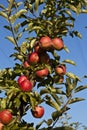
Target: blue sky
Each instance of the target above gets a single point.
(78, 53)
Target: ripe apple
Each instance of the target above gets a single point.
(26, 64)
(21, 79)
(44, 57)
(1, 126)
(42, 73)
(5, 116)
(33, 58)
(38, 112)
(26, 86)
(61, 69)
(46, 42)
(57, 43)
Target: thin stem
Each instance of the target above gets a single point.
(13, 35)
(63, 109)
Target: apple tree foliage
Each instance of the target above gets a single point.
(27, 21)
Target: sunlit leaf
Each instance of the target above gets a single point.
(11, 39)
(4, 15)
(16, 27)
(32, 42)
(73, 76)
(70, 62)
(36, 4)
(73, 8)
(66, 49)
(17, 15)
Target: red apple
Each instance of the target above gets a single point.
(61, 69)
(33, 58)
(1, 126)
(5, 116)
(26, 64)
(42, 73)
(58, 43)
(21, 79)
(26, 86)
(46, 42)
(38, 112)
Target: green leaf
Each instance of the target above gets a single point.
(44, 91)
(69, 61)
(76, 33)
(11, 39)
(17, 15)
(66, 49)
(80, 88)
(3, 103)
(49, 122)
(63, 128)
(72, 76)
(1, 6)
(36, 4)
(16, 27)
(55, 115)
(32, 42)
(53, 104)
(4, 15)
(55, 97)
(74, 100)
(73, 8)
(7, 27)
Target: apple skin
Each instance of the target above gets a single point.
(61, 70)
(26, 64)
(42, 73)
(21, 79)
(46, 42)
(57, 43)
(38, 112)
(33, 58)
(5, 116)
(26, 85)
(1, 126)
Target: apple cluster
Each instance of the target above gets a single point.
(40, 56)
(24, 83)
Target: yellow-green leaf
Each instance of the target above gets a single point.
(70, 62)
(11, 39)
(66, 49)
(36, 5)
(17, 15)
(4, 15)
(73, 76)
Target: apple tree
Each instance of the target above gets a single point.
(36, 29)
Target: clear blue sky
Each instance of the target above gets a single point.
(78, 53)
